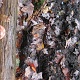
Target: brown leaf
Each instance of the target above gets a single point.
(65, 71)
(20, 78)
(45, 9)
(40, 46)
(18, 69)
(28, 9)
(58, 58)
(19, 39)
(65, 0)
(25, 78)
(32, 67)
(38, 27)
(36, 35)
(32, 63)
(73, 1)
(62, 63)
(67, 78)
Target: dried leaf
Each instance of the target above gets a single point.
(73, 1)
(65, 71)
(36, 36)
(19, 39)
(71, 41)
(35, 63)
(18, 69)
(68, 42)
(40, 46)
(67, 78)
(32, 63)
(28, 9)
(2, 32)
(58, 58)
(65, 0)
(33, 67)
(38, 27)
(20, 78)
(34, 22)
(45, 9)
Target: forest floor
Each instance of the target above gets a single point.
(48, 40)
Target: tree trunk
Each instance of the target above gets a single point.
(7, 44)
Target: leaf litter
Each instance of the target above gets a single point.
(48, 40)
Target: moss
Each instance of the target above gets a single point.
(38, 4)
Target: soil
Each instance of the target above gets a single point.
(62, 59)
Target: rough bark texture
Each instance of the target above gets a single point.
(7, 44)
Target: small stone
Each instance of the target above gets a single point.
(24, 23)
(78, 24)
(76, 51)
(28, 72)
(76, 73)
(46, 15)
(57, 31)
(79, 60)
(45, 51)
(37, 76)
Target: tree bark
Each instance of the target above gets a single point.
(7, 44)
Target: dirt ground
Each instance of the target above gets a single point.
(50, 42)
